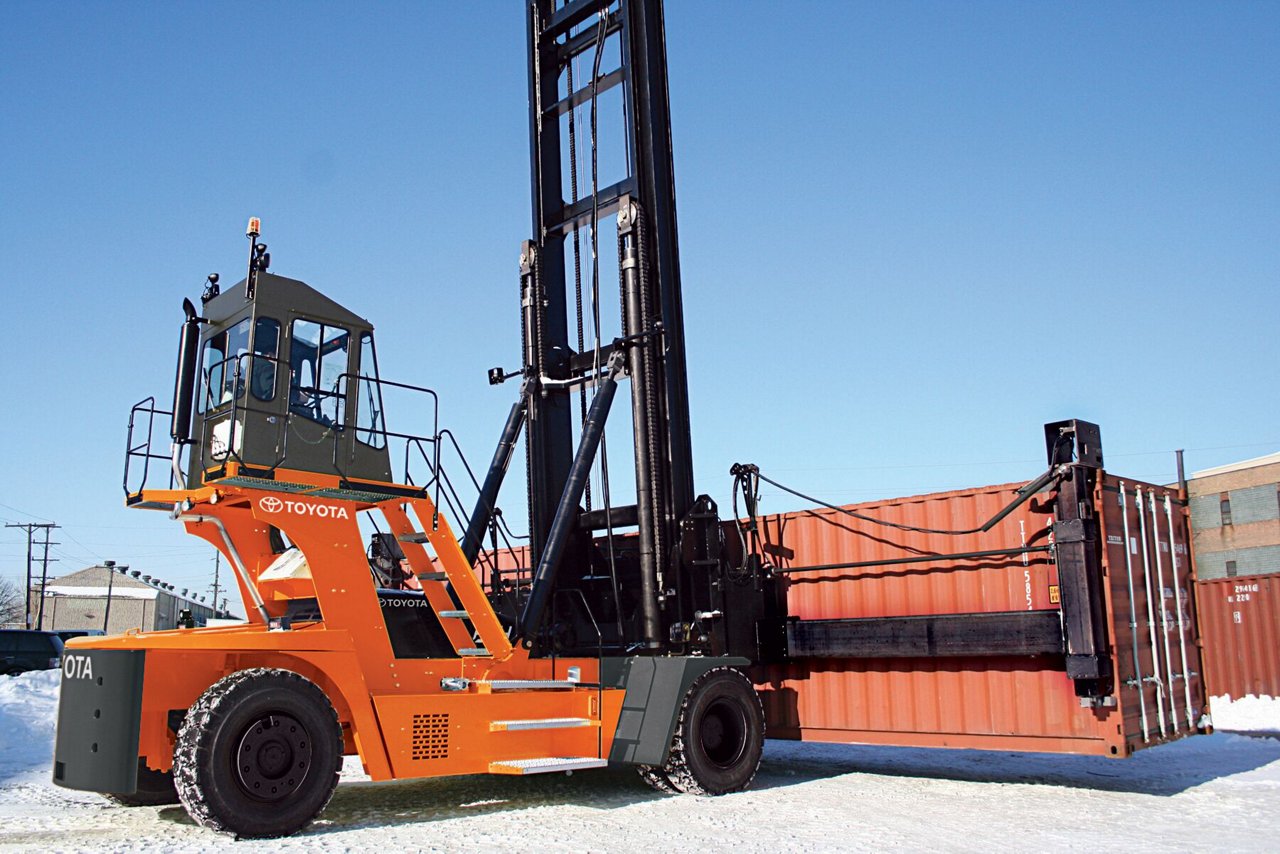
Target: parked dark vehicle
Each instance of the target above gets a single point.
(22, 650)
(68, 634)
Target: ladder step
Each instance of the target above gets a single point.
(433, 576)
(549, 765)
(542, 723)
(477, 650)
(412, 537)
(456, 615)
(530, 684)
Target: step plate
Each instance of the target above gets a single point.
(473, 651)
(541, 723)
(413, 537)
(531, 684)
(549, 765)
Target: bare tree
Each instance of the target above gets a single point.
(12, 603)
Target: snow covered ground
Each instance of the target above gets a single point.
(1216, 792)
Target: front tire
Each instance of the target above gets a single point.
(719, 736)
(258, 754)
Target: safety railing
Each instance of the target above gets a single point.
(351, 384)
(139, 448)
(500, 579)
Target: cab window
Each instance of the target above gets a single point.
(266, 348)
(370, 426)
(222, 354)
(317, 362)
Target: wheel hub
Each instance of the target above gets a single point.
(274, 757)
(723, 733)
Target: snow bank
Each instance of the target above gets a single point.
(1247, 714)
(28, 718)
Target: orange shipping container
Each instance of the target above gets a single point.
(1240, 620)
(1008, 702)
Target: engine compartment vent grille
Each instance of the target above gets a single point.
(430, 736)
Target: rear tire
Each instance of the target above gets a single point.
(719, 736)
(155, 789)
(258, 754)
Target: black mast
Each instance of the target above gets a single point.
(652, 330)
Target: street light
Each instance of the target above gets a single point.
(112, 569)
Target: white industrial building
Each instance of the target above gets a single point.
(80, 601)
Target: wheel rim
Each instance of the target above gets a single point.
(273, 757)
(723, 734)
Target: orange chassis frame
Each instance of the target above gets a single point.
(394, 712)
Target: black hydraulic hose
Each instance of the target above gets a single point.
(1053, 474)
(566, 518)
(897, 561)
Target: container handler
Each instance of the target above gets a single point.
(643, 634)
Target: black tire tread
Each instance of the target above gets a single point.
(196, 734)
(676, 771)
(656, 778)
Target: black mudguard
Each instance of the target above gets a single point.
(99, 715)
(655, 689)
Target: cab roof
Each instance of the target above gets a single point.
(279, 296)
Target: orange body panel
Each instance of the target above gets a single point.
(395, 712)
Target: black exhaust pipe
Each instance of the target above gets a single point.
(184, 386)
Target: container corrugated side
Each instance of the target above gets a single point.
(1240, 621)
(1017, 703)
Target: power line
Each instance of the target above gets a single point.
(23, 512)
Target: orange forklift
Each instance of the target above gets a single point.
(643, 632)
(624, 635)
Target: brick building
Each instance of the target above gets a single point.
(79, 601)
(1235, 518)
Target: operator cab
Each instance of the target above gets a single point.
(282, 378)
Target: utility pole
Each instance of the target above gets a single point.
(30, 528)
(44, 573)
(217, 565)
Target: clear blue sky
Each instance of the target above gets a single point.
(911, 233)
